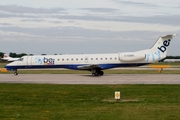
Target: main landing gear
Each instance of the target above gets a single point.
(97, 72)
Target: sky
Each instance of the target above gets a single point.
(84, 26)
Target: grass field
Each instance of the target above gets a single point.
(89, 102)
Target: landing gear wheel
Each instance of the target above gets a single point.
(15, 73)
(95, 74)
(101, 73)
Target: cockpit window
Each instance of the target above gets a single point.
(20, 59)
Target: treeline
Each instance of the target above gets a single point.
(14, 55)
(173, 57)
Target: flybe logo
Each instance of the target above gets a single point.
(48, 61)
(163, 48)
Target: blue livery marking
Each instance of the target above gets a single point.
(163, 48)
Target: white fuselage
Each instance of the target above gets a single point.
(96, 62)
(105, 61)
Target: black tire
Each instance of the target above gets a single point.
(101, 73)
(96, 74)
(15, 73)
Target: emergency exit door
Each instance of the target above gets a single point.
(29, 60)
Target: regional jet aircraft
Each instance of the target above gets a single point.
(95, 63)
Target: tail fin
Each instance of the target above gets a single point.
(162, 44)
(6, 56)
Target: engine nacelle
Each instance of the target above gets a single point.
(131, 56)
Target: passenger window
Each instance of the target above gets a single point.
(81, 58)
(105, 58)
(76, 58)
(62, 59)
(91, 58)
(96, 58)
(72, 59)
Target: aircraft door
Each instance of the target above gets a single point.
(29, 60)
(86, 59)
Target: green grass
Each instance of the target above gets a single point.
(89, 102)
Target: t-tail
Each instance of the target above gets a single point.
(161, 45)
(154, 54)
(6, 57)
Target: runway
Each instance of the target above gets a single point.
(88, 79)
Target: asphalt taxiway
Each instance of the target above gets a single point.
(89, 79)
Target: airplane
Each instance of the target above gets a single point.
(10, 59)
(95, 63)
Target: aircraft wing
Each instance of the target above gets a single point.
(89, 67)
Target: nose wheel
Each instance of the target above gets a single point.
(15, 73)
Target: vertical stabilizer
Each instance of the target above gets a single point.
(162, 45)
(6, 56)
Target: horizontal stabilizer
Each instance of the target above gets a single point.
(169, 36)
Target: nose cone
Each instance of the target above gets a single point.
(11, 66)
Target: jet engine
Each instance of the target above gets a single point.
(131, 56)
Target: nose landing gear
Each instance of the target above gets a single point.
(15, 73)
